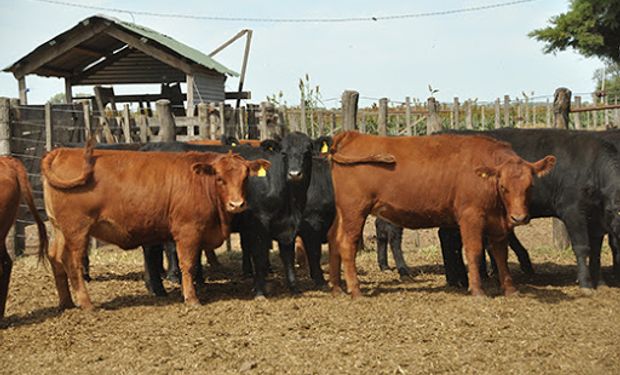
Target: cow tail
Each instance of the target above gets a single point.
(376, 158)
(26, 193)
(87, 169)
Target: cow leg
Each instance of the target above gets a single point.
(471, 233)
(347, 237)
(312, 244)
(152, 269)
(246, 255)
(596, 241)
(56, 255)
(578, 233)
(174, 272)
(382, 244)
(335, 262)
(75, 247)
(499, 252)
(6, 266)
(86, 267)
(287, 254)
(451, 251)
(301, 256)
(396, 240)
(212, 258)
(614, 244)
(521, 252)
(189, 255)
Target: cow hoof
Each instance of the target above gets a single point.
(405, 272)
(512, 291)
(66, 305)
(87, 277)
(160, 293)
(356, 294)
(478, 293)
(260, 297)
(192, 302)
(174, 279)
(295, 290)
(87, 307)
(337, 291)
(384, 268)
(320, 284)
(586, 291)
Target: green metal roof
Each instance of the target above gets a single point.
(180, 48)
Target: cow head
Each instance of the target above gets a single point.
(514, 179)
(231, 172)
(321, 145)
(297, 152)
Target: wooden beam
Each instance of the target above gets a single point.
(229, 42)
(89, 52)
(57, 50)
(244, 65)
(51, 71)
(239, 95)
(23, 91)
(190, 95)
(143, 45)
(68, 91)
(109, 60)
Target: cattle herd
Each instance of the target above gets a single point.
(182, 198)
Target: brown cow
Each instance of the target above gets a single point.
(130, 199)
(474, 182)
(13, 186)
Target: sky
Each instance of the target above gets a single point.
(484, 55)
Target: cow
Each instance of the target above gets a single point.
(14, 186)
(388, 233)
(130, 199)
(583, 191)
(476, 183)
(276, 203)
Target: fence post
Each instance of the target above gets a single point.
(203, 120)
(519, 122)
(498, 123)
(5, 149)
(303, 122)
(616, 114)
(213, 119)
(223, 128)
(455, 113)
(506, 111)
(332, 125)
(383, 117)
(561, 107)
(526, 103)
(350, 100)
(468, 115)
(433, 123)
(482, 117)
(167, 129)
(126, 124)
(577, 115)
(548, 115)
(363, 122)
(408, 116)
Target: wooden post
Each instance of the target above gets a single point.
(303, 122)
(468, 115)
(433, 123)
(519, 122)
(548, 115)
(242, 122)
(408, 116)
(23, 91)
(482, 118)
(383, 117)
(498, 124)
(189, 82)
(332, 125)
(576, 116)
(213, 119)
(49, 133)
(350, 100)
(223, 127)
(88, 127)
(506, 111)
(321, 122)
(144, 127)
(526, 103)
(167, 128)
(455, 113)
(616, 114)
(363, 122)
(594, 114)
(126, 123)
(203, 120)
(561, 107)
(263, 121)
(5, 150)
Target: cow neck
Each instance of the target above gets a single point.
(608, 177)
(223, 217)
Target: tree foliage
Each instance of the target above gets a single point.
(590, 27)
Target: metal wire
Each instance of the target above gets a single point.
(25, 156)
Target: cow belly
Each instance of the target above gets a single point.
(116, 233)
(413, 219)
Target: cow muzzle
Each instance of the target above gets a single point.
(236, 206)
(295, 176)
(519, 219)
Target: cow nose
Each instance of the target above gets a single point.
(295, 175)
(236, 206)
(520, 219)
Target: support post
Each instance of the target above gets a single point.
(483, 119)
(383, 117)
(455, 113)
(332, 126)
(506, 111)
(498, 123)
(49, 133)
(408, 116)
(263, 121)
(468, 115)
(350, 100)
(23, 91)
(561, 107)
(126, 123)
(548, 114)
(88, 125)
(5, 150)
(203, 120)
(577, 115)
(433, 123)
(303, 122)
(167, 128)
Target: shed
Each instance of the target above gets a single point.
(102, 50)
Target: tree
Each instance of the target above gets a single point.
(590, 27)
(57, 98)
(611, 75)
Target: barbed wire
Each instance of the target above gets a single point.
(291, 20)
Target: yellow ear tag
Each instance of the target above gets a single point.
(324, 148)
(234, 144)
(261, 172)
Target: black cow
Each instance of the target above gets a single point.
(388, 233)
(583, 191)
(275, 204)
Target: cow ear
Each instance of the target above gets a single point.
(486, 172)
(544, 166)
(259, 167)
(203, 168)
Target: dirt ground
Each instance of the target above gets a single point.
(409, 326)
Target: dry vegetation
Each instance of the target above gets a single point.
(410, 326)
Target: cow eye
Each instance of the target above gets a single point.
(220, 181)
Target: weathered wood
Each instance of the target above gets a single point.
(382, 120)
(498, 123)
(561, 107)
(5, 127)
(68, 91)
(576, 116)
(548, 114)
(167, 128)
(482, 117)
(243, 124)
(223, 126)
(189, 96)
(214, 118)
(433, 123)
(350, 100)
(126, 123)
(49, 133)
(408, 116)
(506, 111)
(263, 121)
(526, 103)
(203, 120)
(302, 116)
(561, 241)
(88, 124)
(519, 122)
(321, 122)
(332, 125)
(468, 115)
(144, 127)
(23, 91)
(455, 113)
(616, 114)
(362, 115)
